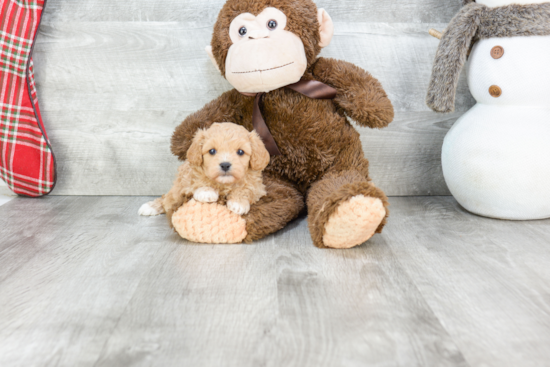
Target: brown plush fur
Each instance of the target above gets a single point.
(282, 204)
(476, 22)
(320, 148)
(201, 170)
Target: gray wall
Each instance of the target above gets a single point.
(115, 78)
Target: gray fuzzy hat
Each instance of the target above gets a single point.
(476, 22)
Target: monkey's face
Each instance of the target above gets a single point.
(260, 48)
(264, 56)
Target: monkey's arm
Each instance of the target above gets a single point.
(360, 95)
(222, 109)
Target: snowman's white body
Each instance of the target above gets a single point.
(496, 158)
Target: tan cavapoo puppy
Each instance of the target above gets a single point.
(224, 164)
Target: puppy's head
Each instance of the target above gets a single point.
(227, 151)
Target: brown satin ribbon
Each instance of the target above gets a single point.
(309, 88)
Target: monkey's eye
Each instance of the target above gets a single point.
(242, 31)
(272, 24)
(212, 152)
(240, 152)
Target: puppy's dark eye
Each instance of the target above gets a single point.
(242, 31)
(212, 152)
(272, 24)
(240, 152)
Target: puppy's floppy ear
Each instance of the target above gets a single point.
(260, 156)
(194, 154)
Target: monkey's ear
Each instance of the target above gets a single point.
(212, 58)
(259, 159)
(194, 154)
(326, 28)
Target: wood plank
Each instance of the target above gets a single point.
(112, 93)
(97, 285)
(109, 288)
(400, 55)
(76, 274)
(113, 153)
(20, 232)
(126, 66)
(486, 280)
(405, 157)
(413, 11)
(127, 153)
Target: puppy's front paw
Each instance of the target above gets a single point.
(206, 195)
(237, 207)
(151, 209)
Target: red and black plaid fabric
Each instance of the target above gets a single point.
(27, 163)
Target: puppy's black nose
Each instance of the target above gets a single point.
(225, 166)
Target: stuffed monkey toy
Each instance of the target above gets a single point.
(299, 104)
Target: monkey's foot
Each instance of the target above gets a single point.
(209, 223)
(354, 222)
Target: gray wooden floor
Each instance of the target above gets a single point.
(84, 281)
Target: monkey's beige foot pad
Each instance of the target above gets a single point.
(354, 222)
(209, 223)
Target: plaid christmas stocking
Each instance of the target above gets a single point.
(27, 163)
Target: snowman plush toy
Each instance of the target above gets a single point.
(496, 158)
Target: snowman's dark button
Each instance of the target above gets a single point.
(495, 91)
(497, 52)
